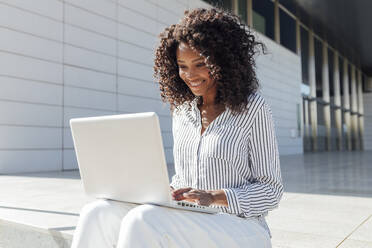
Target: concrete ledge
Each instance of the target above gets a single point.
(15, 235)
(327, 203)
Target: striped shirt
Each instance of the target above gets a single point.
(235, 153)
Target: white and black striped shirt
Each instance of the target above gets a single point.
(236, 153)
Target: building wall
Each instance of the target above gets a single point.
(66, 59)
(367, 138)
(279, 72)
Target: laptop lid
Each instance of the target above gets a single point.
(121, 157)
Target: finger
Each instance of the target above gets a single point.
(192, 195)
(190, 200)
(181, 191)
(184, 196)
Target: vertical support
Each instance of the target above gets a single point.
(354, 111)
(306, 121)
(312, 84)
(235, 7)
(360, 110)
(326, 97)
(298, 37)
(337, 100)
(276, 22)
(249, 13)
(346, 106)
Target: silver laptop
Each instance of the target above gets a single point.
(121, 158)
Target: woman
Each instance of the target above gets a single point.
(225, 149)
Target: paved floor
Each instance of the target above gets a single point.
(327, 202)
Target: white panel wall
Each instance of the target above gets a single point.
(367, 99)
(75, 58)
(279, 72)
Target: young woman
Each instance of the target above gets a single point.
(225, 149)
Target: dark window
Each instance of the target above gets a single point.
(331, 70)
(289, 5)
(341, 67)
(318, 50)
(223, 4)
(242, 10)
(263, 17)
(287, 31)
(305, 55)
(349, 84)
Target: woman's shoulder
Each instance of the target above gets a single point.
(255, 102)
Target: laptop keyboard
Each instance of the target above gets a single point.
(188, 204)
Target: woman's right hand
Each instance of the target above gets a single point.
(177, 194)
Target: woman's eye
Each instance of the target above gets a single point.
(200, 65)
(182, 66)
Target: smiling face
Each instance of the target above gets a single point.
(194, 73)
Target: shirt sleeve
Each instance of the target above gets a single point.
(264, 192)
(176, 181)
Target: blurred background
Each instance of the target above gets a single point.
(65, 59)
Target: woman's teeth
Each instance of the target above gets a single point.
(196, 84)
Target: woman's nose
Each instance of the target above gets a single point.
(190, 74)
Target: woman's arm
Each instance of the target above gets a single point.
(265, 190)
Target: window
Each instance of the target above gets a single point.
(287, 31)
(305, 55)
(242, 10)
(331, 70)
(318, 50)
(223, 4)
(263, 17)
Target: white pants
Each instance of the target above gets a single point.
(105, 223)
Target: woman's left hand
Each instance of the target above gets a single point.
(200, 197)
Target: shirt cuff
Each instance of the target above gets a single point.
(232, 201)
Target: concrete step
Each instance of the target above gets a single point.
(40, 210)
(16, 235)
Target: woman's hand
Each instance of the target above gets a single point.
(200, 197)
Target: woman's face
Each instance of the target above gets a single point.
(194, 72)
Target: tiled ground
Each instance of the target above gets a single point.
(327, 203)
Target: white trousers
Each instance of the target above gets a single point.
(108, 224)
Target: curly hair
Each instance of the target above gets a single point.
(228, 48)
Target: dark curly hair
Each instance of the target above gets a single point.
(228, 48)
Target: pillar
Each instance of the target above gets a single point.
(249, 13)
(354, 111)
(337, 100)
(312, 84)
(346, 106)
(326, 97)
(360, 110)
(298, 37)
(276, 21)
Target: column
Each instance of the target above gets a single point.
(346, 106)
(249, 13)
(298, 37)
(235, 7)
(354, 111)
(360, 110)
(325, 89)
(337, 100)
(306, 121)
(312, 84)
(276, 22)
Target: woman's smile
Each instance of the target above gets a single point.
(196, 84)
(194, 72)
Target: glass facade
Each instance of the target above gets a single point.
(264, 22)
